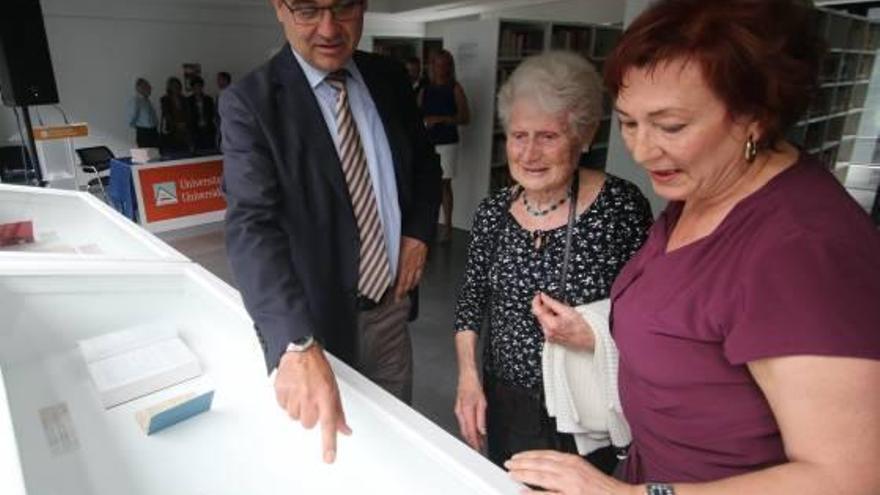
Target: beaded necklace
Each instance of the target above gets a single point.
(535, 212)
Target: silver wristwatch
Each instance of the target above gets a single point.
(301, 345)
(659, 489)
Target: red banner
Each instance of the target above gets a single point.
(181, 190)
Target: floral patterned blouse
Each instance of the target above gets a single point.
(505, 270)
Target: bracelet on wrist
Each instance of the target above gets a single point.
(659, 489)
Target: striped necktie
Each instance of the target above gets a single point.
(374, 275)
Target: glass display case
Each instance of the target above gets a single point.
(68, 224)
(56, 437)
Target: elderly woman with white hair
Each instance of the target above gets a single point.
(555, 240)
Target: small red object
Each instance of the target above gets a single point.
(16, 233)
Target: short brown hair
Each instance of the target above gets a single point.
(760, 57)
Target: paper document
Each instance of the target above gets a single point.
(136, 362)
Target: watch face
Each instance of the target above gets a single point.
(300, 345)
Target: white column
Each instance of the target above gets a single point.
(620, 162)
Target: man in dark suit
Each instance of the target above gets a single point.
(201, 116)
(333, 192)
(417, 80)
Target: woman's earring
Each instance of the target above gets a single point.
(751, 150)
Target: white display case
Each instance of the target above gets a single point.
(244, 445)
(68, 224)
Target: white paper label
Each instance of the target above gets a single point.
(58, 427)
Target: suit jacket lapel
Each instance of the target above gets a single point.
(298, 105)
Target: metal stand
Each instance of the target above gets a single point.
(32, 148)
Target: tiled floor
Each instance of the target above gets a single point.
(435, 368)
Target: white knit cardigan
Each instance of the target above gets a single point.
(580, 387)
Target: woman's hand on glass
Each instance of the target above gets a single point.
(562, 324)
(470, 409)
(564, 474)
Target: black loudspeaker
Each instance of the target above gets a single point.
(26, 76)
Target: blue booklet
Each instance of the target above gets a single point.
(173, 411)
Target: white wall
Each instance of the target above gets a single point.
(437, 29)
(579, 11)
(99, 47)
(576, 11)
(385, 25)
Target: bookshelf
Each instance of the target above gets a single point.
(830, 127)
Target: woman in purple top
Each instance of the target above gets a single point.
(749, 323)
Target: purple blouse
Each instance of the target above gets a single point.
(794, 269)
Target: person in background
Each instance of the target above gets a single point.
(224, 79)
(445, 108)
(174, 126)
(748, 325)
(414, 70)
(333, 191)
(550, 108)
(142, 115)
(200, 109)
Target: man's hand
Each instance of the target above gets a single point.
(305, 387)
(413, 254)
(562, 324)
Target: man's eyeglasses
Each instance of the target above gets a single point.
(310, 14)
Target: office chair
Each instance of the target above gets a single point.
(95, 161)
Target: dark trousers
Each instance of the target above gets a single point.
(147, 137)
(517, 421)
(383, 347)
(176, 140)
(205, 138)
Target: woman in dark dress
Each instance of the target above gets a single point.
(174, 125)
(445, 108)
